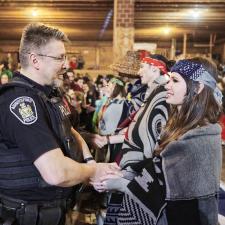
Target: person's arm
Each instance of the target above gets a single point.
(57, 169)
(95, 140)
(100, 141)
(112, 139)
(111, 182)
(115, 139)
(82, 144)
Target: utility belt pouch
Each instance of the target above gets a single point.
(50, 216)
(27, 214)
(50, 213)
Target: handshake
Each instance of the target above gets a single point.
(109, 177)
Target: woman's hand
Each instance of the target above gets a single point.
(111, 182)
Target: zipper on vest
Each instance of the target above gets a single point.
(68, 143)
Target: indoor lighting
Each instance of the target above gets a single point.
(34, 12)
(166, 30)
(195, 13)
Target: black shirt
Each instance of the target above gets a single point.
(25, 123)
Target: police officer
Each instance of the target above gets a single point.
(38, 147)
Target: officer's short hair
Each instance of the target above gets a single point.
(35, 36)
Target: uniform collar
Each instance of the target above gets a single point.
(48, 90)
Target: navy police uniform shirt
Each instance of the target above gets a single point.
(25, 123)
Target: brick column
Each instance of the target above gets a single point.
(123, 28)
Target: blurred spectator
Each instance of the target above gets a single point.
(74, 83)
(80, 62)
(78, 85)
(70, 75)
(73, 63)
(10, 61)
(4, 68)
(88, 108)
(4, 78)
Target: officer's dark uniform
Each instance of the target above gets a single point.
(33, 121)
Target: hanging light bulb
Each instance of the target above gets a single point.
(195, 13)
(34, 13)
(166, 30)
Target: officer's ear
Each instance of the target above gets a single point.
(34, 61)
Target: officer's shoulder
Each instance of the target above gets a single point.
(11, 92)
(11, 88)
(20, 103)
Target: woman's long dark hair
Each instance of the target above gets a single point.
(198, 109)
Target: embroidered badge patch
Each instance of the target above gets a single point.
(24, 109)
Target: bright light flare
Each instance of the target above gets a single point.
(166, 30)
(195, 13)
(34, 13)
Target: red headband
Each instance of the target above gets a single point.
(157, 63)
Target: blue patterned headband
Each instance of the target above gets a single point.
(195, 71)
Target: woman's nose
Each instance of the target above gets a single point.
(167, 85)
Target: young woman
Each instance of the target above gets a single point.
(190, 146)
(179, 185)
(112, 110)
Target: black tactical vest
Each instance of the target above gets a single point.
(16, 172)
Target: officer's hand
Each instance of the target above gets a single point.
(103, 169)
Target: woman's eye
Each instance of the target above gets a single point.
(174, 80)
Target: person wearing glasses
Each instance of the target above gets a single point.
(39, 151)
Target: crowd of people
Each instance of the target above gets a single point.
(148, 136)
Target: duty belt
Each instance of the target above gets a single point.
(31, 214)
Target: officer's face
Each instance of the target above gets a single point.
(53, 62)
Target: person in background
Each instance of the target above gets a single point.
(80, 62)
(111, 115)
(88, 108)
(78, 85)
(127, 67)
(73, 63)
(4, 69)
(4, 78)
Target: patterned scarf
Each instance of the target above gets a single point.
(136, 207)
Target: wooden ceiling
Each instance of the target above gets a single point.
(85, 20)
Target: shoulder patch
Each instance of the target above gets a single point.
(24, 109)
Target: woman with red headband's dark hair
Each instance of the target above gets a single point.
(140, 139)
